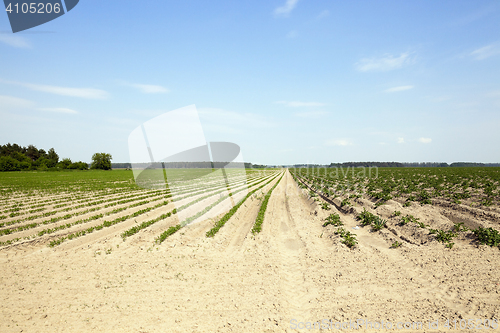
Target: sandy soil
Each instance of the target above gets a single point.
(294, 271)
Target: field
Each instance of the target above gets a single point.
(286, 249)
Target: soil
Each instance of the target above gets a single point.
(293, 273)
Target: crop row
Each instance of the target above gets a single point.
(220, 223)
(262, 210)
(171, 230)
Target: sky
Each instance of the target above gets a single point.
(289, 81)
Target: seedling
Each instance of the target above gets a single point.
(445, 236)
(487, 236)
(460, 227)
(422, 225)
(349, 240)
(396, 244)
(407, 219)
(379, 224)
(333, 219)
(397, 213)
(325, 206)
(366, 217)
(345, 202)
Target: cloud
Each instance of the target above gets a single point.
(14, 102)
(59, 110)
(14, 40)
(88, 93)
(324, 13)
(150, 89)
(338, 142)
(383, 64)
(311, 114)
(486, 51)
(286, 9)
(425, 140)
(297, 104)
(400, 88)
(401, 140)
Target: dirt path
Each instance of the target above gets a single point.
(294, 271)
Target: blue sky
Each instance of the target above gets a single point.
(289, 81)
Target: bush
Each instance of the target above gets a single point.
(7, 163)
(101, 161)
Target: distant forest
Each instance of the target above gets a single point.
(185, 165)
(17, 158)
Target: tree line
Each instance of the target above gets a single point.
(399, 165)
(14, 157)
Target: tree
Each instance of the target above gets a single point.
(79, 166)
(32, 153)
(7, 163)
(52, 156)
(65, 163)
(101, 161)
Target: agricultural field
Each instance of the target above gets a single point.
(269, 250)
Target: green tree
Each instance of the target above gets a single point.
(7, 163)
(101, 161)
(64, 164)
(53, 157)
(79, 166)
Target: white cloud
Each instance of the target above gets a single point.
(338, 142)
(400, 88)
(324, 13)
(150, 88)
(425, 140)
(386, 63)
(401, 140)
(486, 51)
(14, 40)
(297, 104)
(286, 9)
(59, 110)
(14, 102)
(89, 93)
(311, 114)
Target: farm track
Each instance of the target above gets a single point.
(237, 282)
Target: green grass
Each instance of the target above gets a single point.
(64, 181)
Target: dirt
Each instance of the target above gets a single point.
(294, 271)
